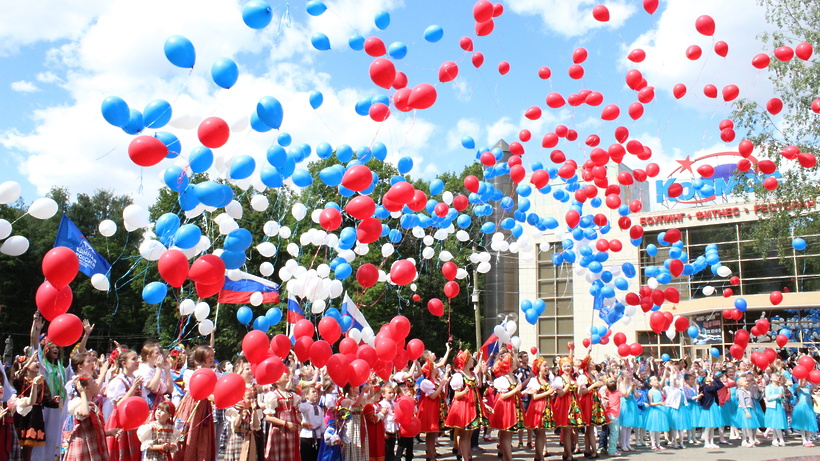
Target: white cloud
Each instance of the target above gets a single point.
(464, 127)
(25, 23)
(573, 18)
(23, 86)
(48, 77)
(737, 22)
(345, 18)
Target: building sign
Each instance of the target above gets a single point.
(722, 183)
(711, 328)
(728, 213)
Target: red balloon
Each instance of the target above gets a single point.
(776, 297)
(348, 346)
(727, 292)
(742, 337)
(623, 350)
(466, 43)
(737, 351)
(804, 51)
(132, 413)
(147, 150)
(619, 339)
(586, 342)
(761, 61)
(436, 307)
(385, 348)
(533, 113)
(418, 203)
(636, 55)
(679, 90)
(770, 183)
(400, 81)
(471, 183)
(403, 272)
(255, 346)
(368, 353)
(422, 96)
(369, 230)
(807, 362)
(555, 100)
(367, 275)
(338, 367)
(361, 207)
(774, 106)
(65, 330)
(329, 329)
(441, 209)
(412, 428)
(270, 370)
(721, 48)
(672, 295)
(229, 390)
(681, 324)
(611, 112)
(402, 100)
(302, 348)
(781, 340)
(483, 11)
(448, 71)
(477, 59)
(330, 219)
(208, 269)
(600, 13)
(379, 112)
(204, 290)
(540, 178)
(633, 78)
(646, 95)
(576, 71)
(737, 315)
(784, 53)
(320, 352)
(415, 347)
(400, 326)
(650, 6)
(202, 383)
(374, 46)
(280, 345)
(544, 73)
(814, 376)
(213, 132)
(579, 55)
(357, 178)
(53, 302)
(359, 372)
(635, 349)
(800, 372)
(693, 53)
(635, 110)
(705, 25)
(730, 92)
(451, 289)
(503, 67)
(303, 327)
(383, 72)
(60, 266)
(449, 270)
(173, 267)
(656, 321)
(710, 91)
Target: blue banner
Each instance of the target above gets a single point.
(91, 262)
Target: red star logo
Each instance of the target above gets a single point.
(686, 164)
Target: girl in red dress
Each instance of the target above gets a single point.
(592, 409)
(283, 420)
(565, 408)
(195, 418)
(539, 414)
(466, 410)
(126, 446)
(508, 415)
(430, 406)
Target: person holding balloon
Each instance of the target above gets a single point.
(803, 418)
(126, 446)
(194, 418)
(775, 417)
(159, 439)
(280, 409)
(539, 414)
(87, 440)
(431, 407)
(33, 394)
(508, 414)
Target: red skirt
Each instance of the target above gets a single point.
(507, 414)
(197, 426)
(539, 415)
(592, 409)
(430, 414)
(464, 412)
(565, 411)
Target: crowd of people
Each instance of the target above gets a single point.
(54, 410)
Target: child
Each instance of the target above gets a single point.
(508, 415)
(592, 410)
(243, 420)
(565, 408)
(466, 412)
(159, 438)
(775, 413)
(32, 395)
(391, 429)
(405, 444)
(743, 418)
(313, 424)
(642, 402)
(656, 417)
(280, 412)
(373, 416)
(803, 419)
(710, 415)
(430, 401)
(331, 448)
(195, 418)
(539, 414)
(628, 417)
(613, 412)
(125, 447)
(355, 446)
(87, 440)
(9, 449)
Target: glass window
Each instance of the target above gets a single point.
(556, 325)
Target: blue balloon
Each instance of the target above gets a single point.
(356, 42)
(315, 7)
(316, 99)
(324, 151)
(200, 159)
(242, 167)
(799, 244)
(397, 50)
(233, 259)
(273, 315)
(302, 178)
(213, 194)
(693, 331)
(244, 314)
(531, 316)
(270, 111)
(436, 186)
(171, 142)
(346, 322)
(277, 156)
(257, 124)
(270, 177)
(225, 72)
(188, 199)
(433, 33)
(180, 51)
(320, 41)
(331, 176)
(166, 226)
(715, 352)
(467, 142)
(665, 357)
(343, 271)
(115, 111)
(175, 178)
(284, 139)
(539, 305)
(187, 236)
(154, 292)
(488, 227)
(261, 323)
(363, 106)
(379, 151)
(382, 20)
(135, 123)
(651, 249)
(257, 15)
(333, 313)
(344, 153)
(464, 221)
(740, 304)
(238, 240)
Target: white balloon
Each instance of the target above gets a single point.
(266, 269)
(319, 237)
(361, 249)
(234, 210)
(428, 252)
(427, 240)
(483, 267)
(516, 342)
(240, 125)
(284, 274)
(259, 202)
(336, 288)
(462, 235)
(202, 311)
(227, 226)
(100, 282)
(652, 283)
(318, 307)
(503, 245)
(474, 258)
(630, 310)
(626, 320)
(348, 255)
(204, 244)
(9, 192)
(708, 290)
(205, 327)
(441, 234)
(417, 232)
(185, 121)
(5, 229)
(43, 208)
(220, 164)
(266, 249)
(187, 306)
(355, 334)
(14, 245)
(293, 249)
(151, 249)
(256, 298)
(135, 217)
(498, 236)
(499, 330)
(511, 327)
(107, 227)
(445, 256)
(271, 228)
(514, 247)
(484, 257)
(462, 273)
(447, 197)
(383, 276)
(544, 246)
(234, 274)
(724, 271)
(299, 211)
(414, 287)
(285, 232)
(198, 210)
(670, 333)
(387, 250)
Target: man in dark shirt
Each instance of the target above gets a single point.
(524, 374)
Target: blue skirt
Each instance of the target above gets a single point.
(694, 413)
(803, 416)
(758, 413)
(729, 409)
(679, 418)
(656, 419)
(712, 417)
(741, 421)
(630, 417)
(775, 418)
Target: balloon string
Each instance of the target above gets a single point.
(449, 314)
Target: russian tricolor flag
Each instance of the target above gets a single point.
(240, 291)
(490, 347)
(350, 308)
(295, 312)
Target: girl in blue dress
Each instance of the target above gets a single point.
(642, 402)
(710, 415)
(656, 420)
(730, 406)
(675, 407)
(743, 418)
(692, 396)
(629, 417)
(803, 416)
(775, 417)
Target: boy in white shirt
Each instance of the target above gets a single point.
(313, 424)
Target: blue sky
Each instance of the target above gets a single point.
(53, 81)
